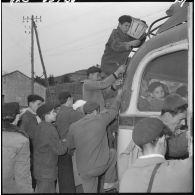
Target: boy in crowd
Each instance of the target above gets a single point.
(89, 139)
(151, 172)
(47, 146)
(29, 122)
(16, 177)
(174, 111)
(65, 117)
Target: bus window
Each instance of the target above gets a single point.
(164, 75)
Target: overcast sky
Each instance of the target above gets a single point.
(72, 35)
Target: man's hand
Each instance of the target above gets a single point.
(120, 70)
(134, 43)
(120, 92)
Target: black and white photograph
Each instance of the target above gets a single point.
(97, 97)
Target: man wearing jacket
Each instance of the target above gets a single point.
(47, 146)
(173, 112)
(65, 117)
(119, 46)
(171, 175)
(16, 176)
(93, 86)
(89, 139)
(29, 122)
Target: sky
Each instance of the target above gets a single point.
(72, 35)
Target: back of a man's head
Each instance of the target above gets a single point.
(63, 97)
(174, 104)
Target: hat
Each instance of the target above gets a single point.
(78, 104)
(182, 91)
(10, 109)
(93, 69)
(63, 96)
(147, 130)
(124, 18)
(173, 101)
(44, 109)
(89, 107)
(34, 97)
(154, 85)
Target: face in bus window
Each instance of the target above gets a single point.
(158, 93)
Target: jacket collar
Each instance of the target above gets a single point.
(140, 162)
(31, 111)
(63, 107)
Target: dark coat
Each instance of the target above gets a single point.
(89, 137)
(115, 51)
(65, 118)
(47, 146)
(29, 123)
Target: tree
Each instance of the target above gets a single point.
(66, 79)
(40, 80)
(51, 80)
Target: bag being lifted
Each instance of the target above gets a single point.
(137, 29)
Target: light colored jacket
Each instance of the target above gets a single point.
(93, 90)
(172, 176)
(16, 163)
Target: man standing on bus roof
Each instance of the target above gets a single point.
(119, 46)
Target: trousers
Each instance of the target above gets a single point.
(90, 179)
(45, 186)
(65, 174)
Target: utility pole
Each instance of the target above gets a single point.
(42, 62)
(32, 56)
(27, 19)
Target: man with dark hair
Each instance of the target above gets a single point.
(29, 120)
(93, 86)
(29, 123)
(89, 140)
(151, 172)
(173, 113)
(65, 117)
(47, 146)
(119, 46)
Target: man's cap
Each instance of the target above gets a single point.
(63, 96)
(182, 91)
(34, 97)
(89, 107)
(147, 130)
(44, 109)
(93, 69)
(124, 18)
(10, 109)
(173, 101)
(78, 104)
(154, 85)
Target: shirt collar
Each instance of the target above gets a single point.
(151, 156)
(30, 110)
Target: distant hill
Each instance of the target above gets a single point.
(77, 76)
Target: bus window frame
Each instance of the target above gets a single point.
(132, 109)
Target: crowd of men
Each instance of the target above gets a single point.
(39, 144)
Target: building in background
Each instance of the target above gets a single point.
(16, 86)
